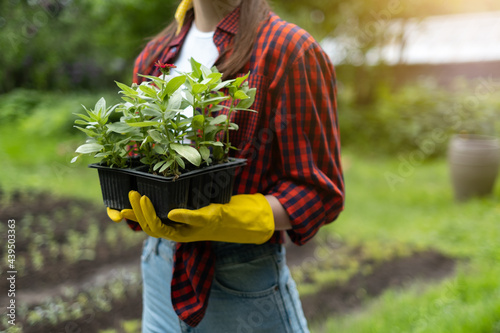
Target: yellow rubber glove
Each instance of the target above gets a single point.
(117, 216)
(247, 218)
(180, 13)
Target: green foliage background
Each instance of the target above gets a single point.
(85, 45)
(74, 44)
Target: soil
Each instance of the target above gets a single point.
(55, 270)
(332, 299)
(33, 287)
(336, 299)
(128, 309)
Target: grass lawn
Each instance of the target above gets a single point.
(420, 211)
(38, 142)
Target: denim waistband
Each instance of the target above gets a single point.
(231, 253)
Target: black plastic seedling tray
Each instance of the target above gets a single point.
(115, 185)
(192, 189)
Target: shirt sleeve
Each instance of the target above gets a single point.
(311, 186)
(133, 225)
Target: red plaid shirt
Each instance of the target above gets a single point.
(292, 144)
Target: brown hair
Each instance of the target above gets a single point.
(252, 13)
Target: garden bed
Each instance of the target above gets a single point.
(68, 255)
(98, 286)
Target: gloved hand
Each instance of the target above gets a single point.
(247, 218)
(117, 216)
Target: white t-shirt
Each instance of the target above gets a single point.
(198, 45)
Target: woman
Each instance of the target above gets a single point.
(222, 268)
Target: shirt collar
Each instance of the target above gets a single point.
(180, 37)
(230, 23)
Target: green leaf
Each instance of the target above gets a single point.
(151, 112)
(144, 124)
(240, 95)
(100, 107)
(149, 91)
(206, 81)
(122, 143)
(222, 85)
(87, 131)
(212, 143)
(81, 122)
(146, 140)
(174, 84)
(239, 80)
(166, 165)
(84, 117)
(213, 78)
(163, 95)
(89, 148)
(110, 110)
(175, 101)
(158, 165)
(173, 124)
(195, 66)
(219, 119)
(198, 121)
(204, 152)
(240, 109)
(206, 71)
(218, 153)
(189, 97)
(95, 117)
(170, 115)
(215, 100)
(120, 127)
(183, 122)
(158, 81)
(126, 89)
(199, 88)
(170, 136)
(156, 136)
(128, 99)
(232, 90)
(180, 161)
(188, 152)
(246, 103)
(159, 150)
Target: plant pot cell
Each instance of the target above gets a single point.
(166, 195)
(115, 187)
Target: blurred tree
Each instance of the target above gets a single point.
(86, 44)
(70, 44)
(359, 26)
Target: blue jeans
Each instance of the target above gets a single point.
(252, 291)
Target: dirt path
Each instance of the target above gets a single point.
(33, 297)
(396, 273)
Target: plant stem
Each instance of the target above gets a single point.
(228, 144)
